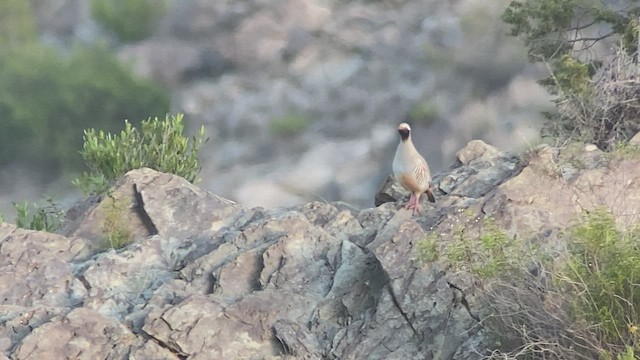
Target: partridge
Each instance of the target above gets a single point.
(411, 170)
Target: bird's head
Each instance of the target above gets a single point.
(405, 131)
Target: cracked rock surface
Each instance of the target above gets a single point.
(205, 278)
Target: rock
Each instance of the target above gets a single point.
(173, 62)
(482, 167)
(35, 269)
(133, 203)
(390, 191)
(320, 280)
(297, 340)
(477, 149)
(80, 334)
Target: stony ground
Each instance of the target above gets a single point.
(206, 278)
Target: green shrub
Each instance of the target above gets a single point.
(487, 254)
(17, 23)
(115, 225)
(47, 217)
(596, 93)
(45, 98)
(625, 150)
(290, 125)
(129, 20)
(585, 306)
(603, 279)
(159, 144)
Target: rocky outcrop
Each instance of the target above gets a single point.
(205, 278)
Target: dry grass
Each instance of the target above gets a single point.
(610, 111)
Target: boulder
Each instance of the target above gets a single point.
(202, 277)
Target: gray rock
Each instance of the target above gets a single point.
(80, 334)
(477, 149)
(320, 280)
(482, 168)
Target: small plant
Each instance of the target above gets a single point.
(487, 255)
(427, 248)
(290, 125)
(129, 20)
(626, 150)
(160, 145)
(115, 224)
(46, 217)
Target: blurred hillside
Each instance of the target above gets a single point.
(300, 98)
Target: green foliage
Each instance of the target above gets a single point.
(597, 92)
(290, 125)
(47, 217)
(542, 25)
(555, 28)
(625, 150)
(427, 248)
(572, 76)
(602, 277)
(585, 305)
(129, 20)
(425, 112)
(629, 354)
(115, 225)
(488, 254)
(159, 144)
(45, 98)
(17, 23)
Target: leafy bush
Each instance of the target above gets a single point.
(17, 23)
(603, 275)
(129, 20)
(160, 145)
(487, 254)
(586, 306)
(602, 108)
(596, 92)
(47, 217)
(44, 98)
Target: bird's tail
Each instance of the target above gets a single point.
(430, 195)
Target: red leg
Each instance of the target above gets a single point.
(416, 203)
(413, 203)
(409, 204)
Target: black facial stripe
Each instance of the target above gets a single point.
(404, 133)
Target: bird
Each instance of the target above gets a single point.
(411, 170)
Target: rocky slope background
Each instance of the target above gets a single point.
(293, 92)
(208, 278)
